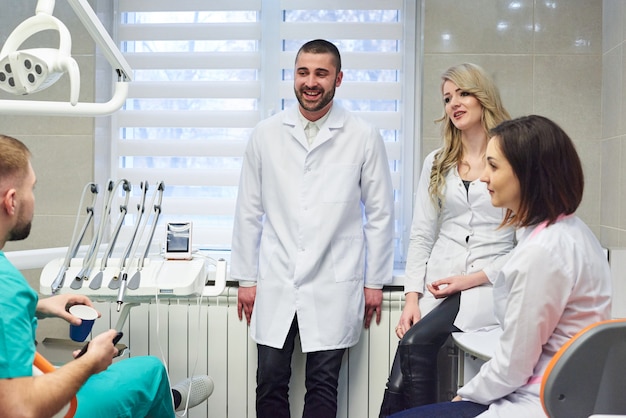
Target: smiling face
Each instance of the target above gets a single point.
(463, 109)
(315, 81)
(502, 183)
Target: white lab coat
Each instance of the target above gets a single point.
(555, 283)
(462, 238)
(299, 228)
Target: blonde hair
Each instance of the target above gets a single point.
(472, 79)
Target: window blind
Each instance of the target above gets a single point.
(205, 73)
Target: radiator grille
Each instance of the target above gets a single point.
(182, 329)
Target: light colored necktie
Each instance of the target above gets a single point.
(311, 131)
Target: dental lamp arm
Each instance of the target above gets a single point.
(48, 108)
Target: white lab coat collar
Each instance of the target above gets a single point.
(335, 120)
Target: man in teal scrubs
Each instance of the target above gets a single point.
(136, 387)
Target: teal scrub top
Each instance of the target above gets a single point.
(18, 322)
(137, 387)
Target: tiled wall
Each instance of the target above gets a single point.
(546, 58)
(613, 183)
(62, 147)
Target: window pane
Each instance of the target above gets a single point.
(204, 79)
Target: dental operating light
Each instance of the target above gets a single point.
(32, 70)
(27, 71)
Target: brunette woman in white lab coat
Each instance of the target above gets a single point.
(556, 281)
(456, 247)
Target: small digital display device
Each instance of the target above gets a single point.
(178, 241)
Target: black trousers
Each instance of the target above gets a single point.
(274, 372)
(413, 376)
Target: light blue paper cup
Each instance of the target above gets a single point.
(88, 315)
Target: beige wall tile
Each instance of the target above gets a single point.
(611, 183)
(63, 165)
(613, 195)
(553, 67)
(619, 187)
(591, 158)
(612, 92)
(612, 23)
(567, 89)
(478, 26)
(609, 237)
(568, 27)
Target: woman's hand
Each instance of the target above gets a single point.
(443, 288)
(410, 314)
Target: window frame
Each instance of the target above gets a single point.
(411, 114)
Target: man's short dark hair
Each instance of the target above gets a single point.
(322, 46)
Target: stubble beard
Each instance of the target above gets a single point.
(327, 97)
(20, 232)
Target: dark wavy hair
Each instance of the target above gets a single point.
(545, 161)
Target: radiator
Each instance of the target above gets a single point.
(208, 338)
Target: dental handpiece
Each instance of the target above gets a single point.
(122, 291)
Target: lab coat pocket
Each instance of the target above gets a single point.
(348, 258)
(341, 183)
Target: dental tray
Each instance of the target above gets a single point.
(158, 277)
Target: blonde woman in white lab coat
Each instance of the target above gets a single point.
(556, 281)
(316, 267)
(456, 248)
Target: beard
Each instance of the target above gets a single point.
(327, 97)
(20, 232)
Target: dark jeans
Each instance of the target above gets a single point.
(462, 409)
(274, 372)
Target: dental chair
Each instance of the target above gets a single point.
(41, 366)
(60, 350)
(587, 376)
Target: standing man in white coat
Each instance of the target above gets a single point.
(313, 235)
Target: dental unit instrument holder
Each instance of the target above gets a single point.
(92, 251)
(133, 283)
(96, 282)
(160, 278)
(124, 262)
(72, 249)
